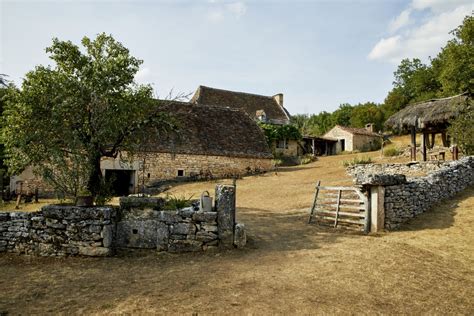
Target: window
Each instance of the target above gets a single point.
(282, 143)
(180, 173)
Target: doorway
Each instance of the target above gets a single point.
(343, 144)
(121, 181)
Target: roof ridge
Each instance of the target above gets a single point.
(239, 92)
(438, 99)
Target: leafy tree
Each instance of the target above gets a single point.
(278, 132)
(455, 61)
(67, 117)
(462, 130)
(342, 116)
(369, 112)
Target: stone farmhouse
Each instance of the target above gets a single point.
(352, 139)
(213, 142)
(261, 108)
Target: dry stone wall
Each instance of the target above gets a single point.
(139, 223)
(405, 198)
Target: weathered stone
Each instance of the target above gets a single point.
(186, 212)
(94, 251)
(169, 217)
(205, 216)
(185, 246)
(183, 228)
(137, 234)
(225, 207)
(240, 237)
(107, 235)
(210, 228)
(162, 236)
(206, 236)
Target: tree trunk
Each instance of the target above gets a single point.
(95, 177)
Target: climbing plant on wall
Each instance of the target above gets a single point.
(277, 132)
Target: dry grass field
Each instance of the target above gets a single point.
(287, 267)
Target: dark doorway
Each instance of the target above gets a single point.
(343, 144)
(121, 181)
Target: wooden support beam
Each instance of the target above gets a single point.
(444, 138)
(424, 138)
(413, 144)
(432, 142)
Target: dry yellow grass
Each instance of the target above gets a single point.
(288, 267)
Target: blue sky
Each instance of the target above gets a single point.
(318, 53)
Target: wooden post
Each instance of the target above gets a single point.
(314, 148)
(424, 140)
(413, 144)
(444, 138)
(311, 214)
(433, 138)
(455, 152)
(377, 208)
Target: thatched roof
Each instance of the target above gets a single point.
(249, 103)
(211, 130)
(433, 114)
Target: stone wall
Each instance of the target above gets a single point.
(165, 166)
(58, 231)
(411, 169)
(400, 199)
(339, 134)
(139, 223)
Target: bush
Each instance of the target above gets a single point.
(306, 159)
(391, 152)
(175, 203)
(357, 161)
(462, 130)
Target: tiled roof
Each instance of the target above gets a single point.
(249, 103)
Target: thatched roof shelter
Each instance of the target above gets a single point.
(431, 115)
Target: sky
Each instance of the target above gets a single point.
(319, 54)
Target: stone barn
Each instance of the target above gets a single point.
(354, 139)
(261, 108)
(212, 142)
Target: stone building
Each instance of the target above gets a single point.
(212, 142)
(352, 139)
(261, 108)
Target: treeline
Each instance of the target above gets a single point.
(451, 72)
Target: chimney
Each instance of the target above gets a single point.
(278, 98)
(370, 127)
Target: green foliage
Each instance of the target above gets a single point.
(462, 131)
(342, 116)
(306, 159)
(369, 112)
(357, 161)
(66, 117)
(173, 202)
(278, 132)
(391, 152)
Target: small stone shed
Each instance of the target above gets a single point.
(430, 117)
(351, 139)
(261, 108)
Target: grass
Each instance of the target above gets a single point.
(288, 266)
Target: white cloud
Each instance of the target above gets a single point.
(219, 12)
(422, 39)
(400, 21)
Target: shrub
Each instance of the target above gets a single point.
(175, 203)
(306, 159)
(357, 161)
(391, 152)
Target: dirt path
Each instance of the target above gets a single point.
(288, 267)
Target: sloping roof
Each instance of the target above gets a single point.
(357, 131)
(432, 113)
(211, 130)
(323, 138)
(249, 103)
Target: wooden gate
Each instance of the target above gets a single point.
(340, 206)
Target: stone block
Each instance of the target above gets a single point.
(169, 217)
(205, 216)
(186, 212)
(137, 234)
(162, 236)
(185, 246)
(183, 228)
(225, 207)
(94, 251)
(107, 235)
(206, 236)
(240, 237)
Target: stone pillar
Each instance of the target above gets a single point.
(225, 208)
(377, 208)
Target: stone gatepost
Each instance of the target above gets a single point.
(375, 185)
(225, 208)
